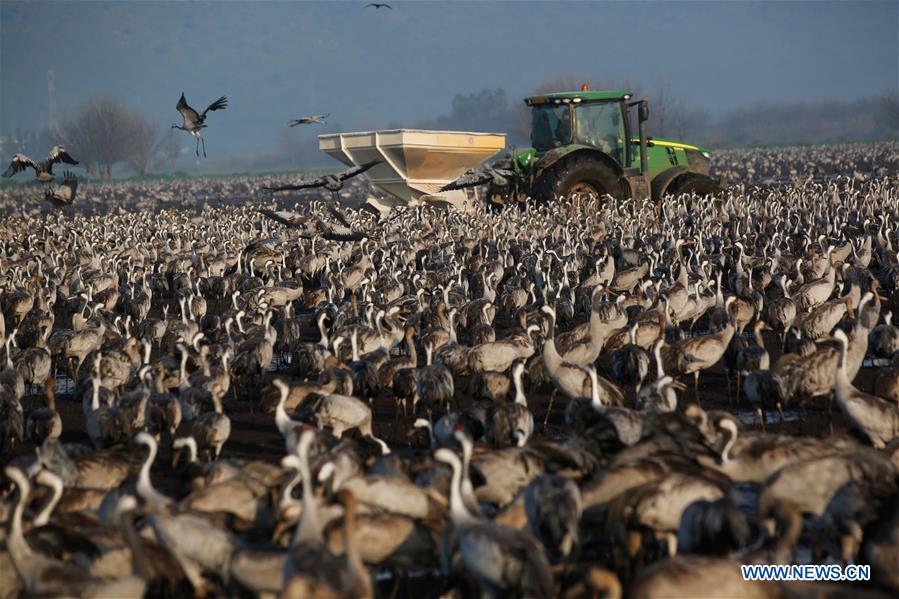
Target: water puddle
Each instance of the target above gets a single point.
(875, 362)
(386, 575)
(747, 498)
(749, 417)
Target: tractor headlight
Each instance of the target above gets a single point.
(707, 155)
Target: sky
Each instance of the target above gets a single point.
(370, 68)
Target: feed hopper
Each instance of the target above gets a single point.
(415, 163)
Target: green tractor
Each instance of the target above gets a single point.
(584, 143)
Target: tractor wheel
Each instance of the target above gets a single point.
(580, 175)
(690, 183)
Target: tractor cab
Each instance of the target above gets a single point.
(594, 142)
(594, 120)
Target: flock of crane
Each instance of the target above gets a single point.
(193, 122)
(512, 403)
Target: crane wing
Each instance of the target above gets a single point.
(357, 170)
(339, 234)
(328, 235)
(190, 115)
(469, 179)
(69, 185)
(338, 215)
(301, 185)
(65, 193)
(285, 217)
(59, 154)
(314, 227)
(441, 204)
(219, 104)
(19, 163)
(308, 120)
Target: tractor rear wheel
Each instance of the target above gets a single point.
(691, 183)
(580, 175)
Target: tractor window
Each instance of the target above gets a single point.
(550, 127)
(600, 126)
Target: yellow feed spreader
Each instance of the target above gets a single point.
(415, 163)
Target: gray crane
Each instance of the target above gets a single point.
(311, 226)
(332, 182)
(43, 171)
(313, 119)
(195, 122)
(475, 177)
(63, 195)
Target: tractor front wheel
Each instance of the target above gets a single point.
(580, 175)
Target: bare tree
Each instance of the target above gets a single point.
(670, 115)
(107, 125)
(479, 110)
(142, 135)
(484, 110)
(167, 149)
(75, 135)
(565, 82)
(99, 135)
(666, 110)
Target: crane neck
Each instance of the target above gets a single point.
(458, 512)
(145, 486)
(19, 550)
(282, 420)
(309, 528)
(520, 397)
(45, 477)
(595, 399)
(657, 352)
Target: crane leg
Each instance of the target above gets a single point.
(552, 398)
(830, 412)
(203, 139)
(198, 147)
(396, 419)
(730, 397)
(395, 588)
(696, 387)
(671, 541)
(761, 413)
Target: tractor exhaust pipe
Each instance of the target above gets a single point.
(642, 117)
